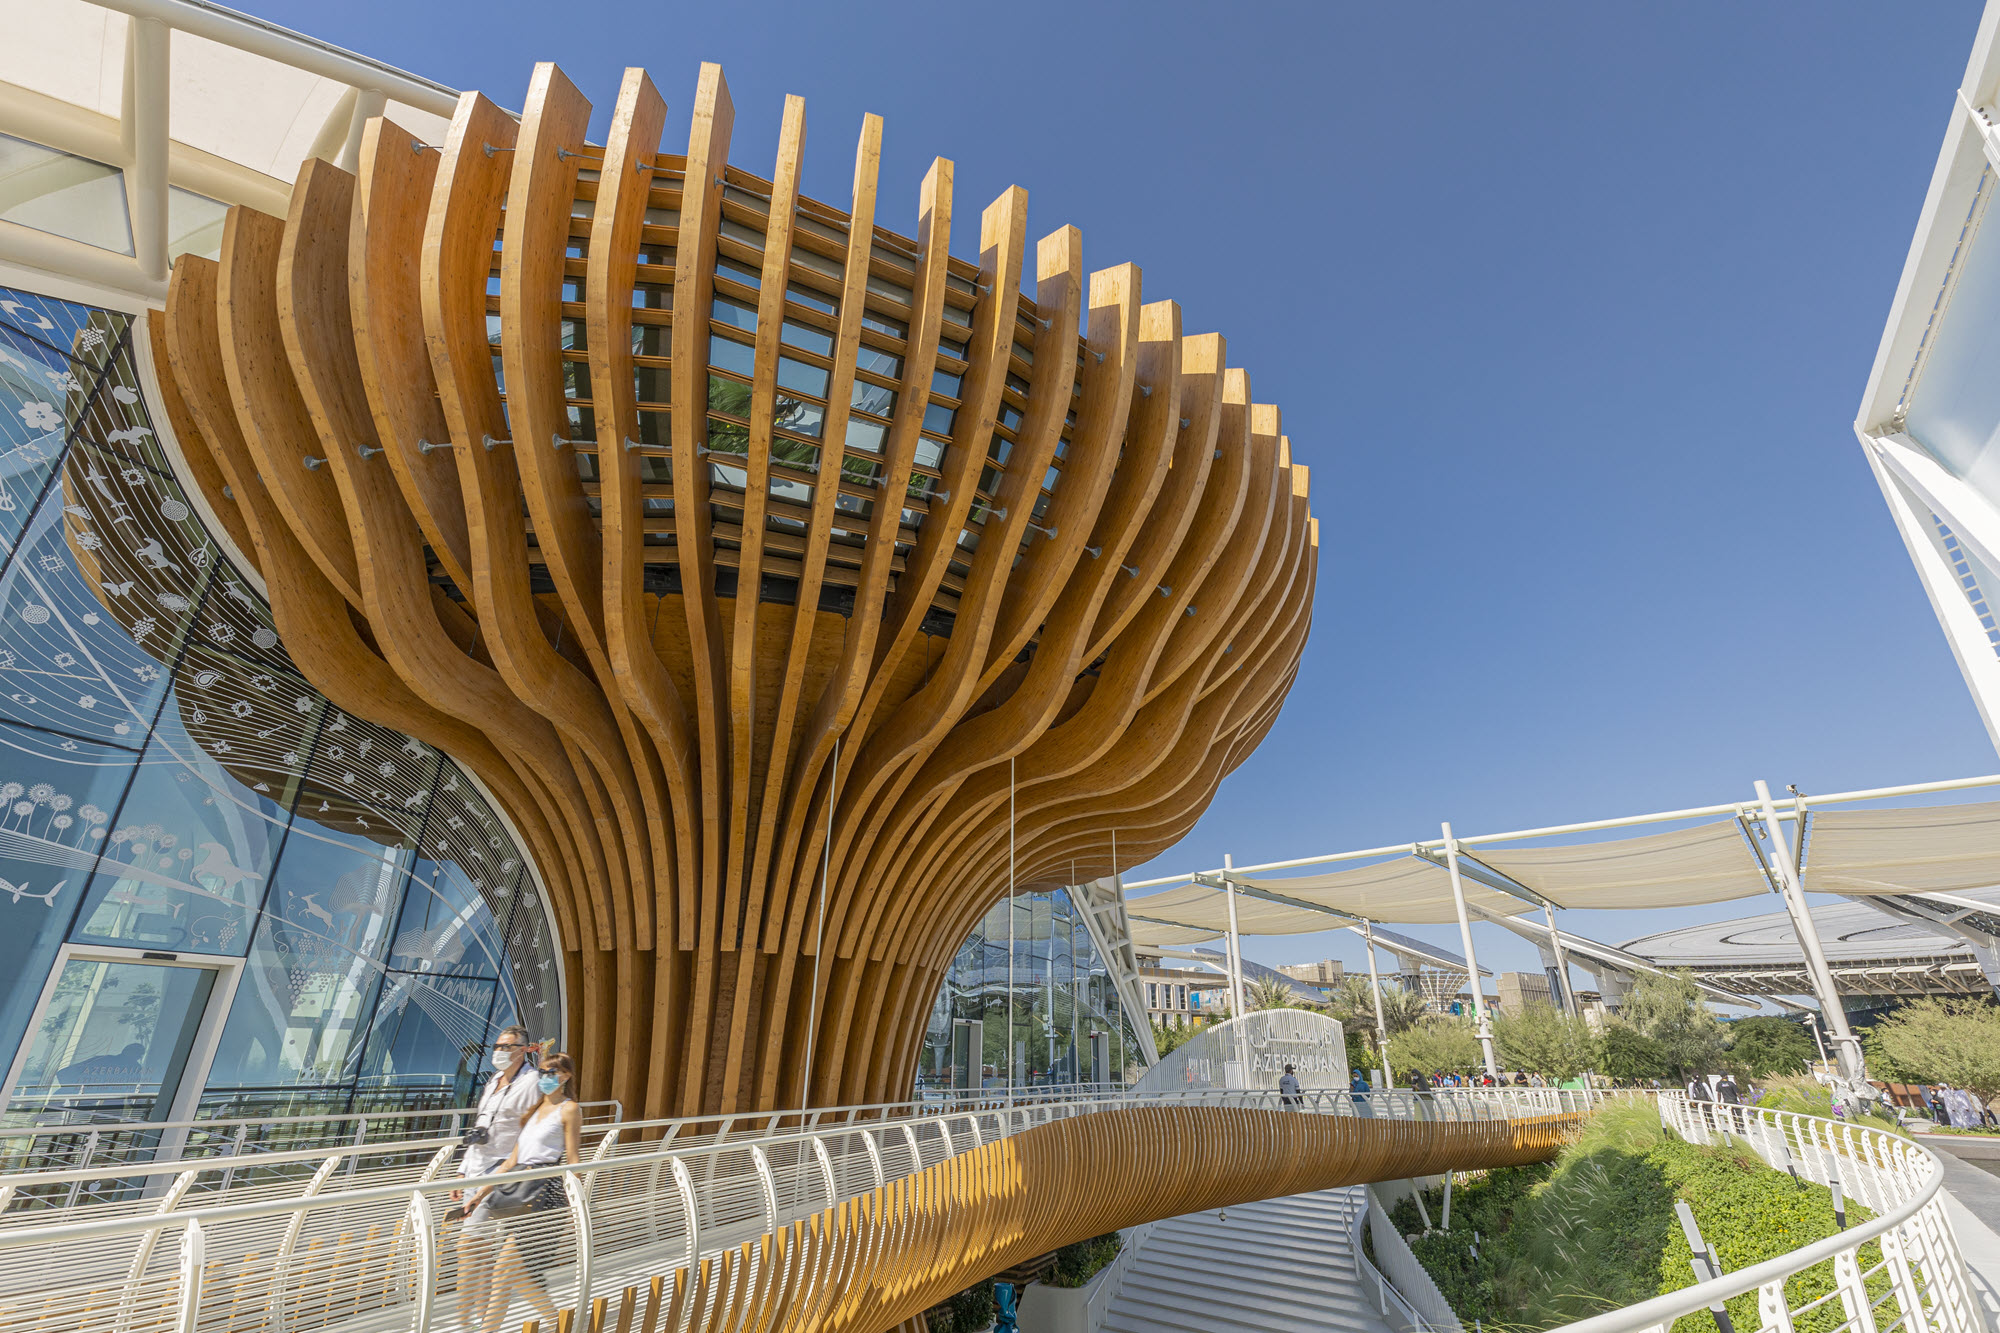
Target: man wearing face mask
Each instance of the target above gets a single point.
(506, 1100)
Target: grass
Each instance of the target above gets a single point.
(1595, 1230)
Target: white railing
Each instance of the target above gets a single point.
(87, 1142)
(1914, 1282)
(1405, 1293)
(367, 1254)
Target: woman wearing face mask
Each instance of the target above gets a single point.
(549, 1133)
(509, 1096)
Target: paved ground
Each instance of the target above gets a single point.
(1973, 1200)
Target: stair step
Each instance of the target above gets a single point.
(1276, 1264)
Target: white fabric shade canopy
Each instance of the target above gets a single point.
(1705, 864)
(1926, 849)
(1709, 863)
(257, 113)
(1406, 890)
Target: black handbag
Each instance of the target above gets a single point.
(524, 1196)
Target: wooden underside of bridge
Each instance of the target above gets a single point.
(881, 1259)
(793, 586)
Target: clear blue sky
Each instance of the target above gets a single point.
(1568, 306)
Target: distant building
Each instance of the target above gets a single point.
(1326, 972)
(1519, 990)
(1176, 995)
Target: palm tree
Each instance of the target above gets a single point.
(1270, 993)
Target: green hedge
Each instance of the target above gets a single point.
(1078, 1263)
(967, 1312)
(1596, 1229)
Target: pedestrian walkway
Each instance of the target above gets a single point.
(1972, 1199)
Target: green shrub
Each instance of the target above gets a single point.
(1596, 1229)
(1077, 1263)
(967, 1312)
(1807, 1097)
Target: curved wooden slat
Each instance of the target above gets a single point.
(1079, 626)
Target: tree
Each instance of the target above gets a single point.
(1949, 1041)
(1270, 993)
(1171, 1036)
(1440, 1043)
(1766, 1044)
(1629, 1054)
(1668, 1009)
(1353, 1003)
(1543, 1040)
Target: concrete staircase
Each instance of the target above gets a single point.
(1281, 1264)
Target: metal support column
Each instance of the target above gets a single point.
(1846, 1046)
(1375, 989)
(1235, 940)
(1565, 994)
(1481, 1024)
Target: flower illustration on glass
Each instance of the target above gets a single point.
(35, 613)
(86, 701)
(40, 416)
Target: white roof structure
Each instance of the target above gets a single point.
(166, 111)
(1871, 952)
(1929, 421)
(1922, 850)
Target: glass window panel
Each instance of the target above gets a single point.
(194, 224)
(727, 395)
(652, 296)
(867, 435)
(728, 437)
(884, 324)
(946, 383)
(186, 862)
(801, 378)
(873, 398)
(736, 314)
(1954, 407)
(938, 418)
(429, 1034)
(652, 384)
(798, 415)
(64, 195)
(811, 339)
(929, 453)
(115, 1037)
(878, 362)
(531, 988)
(742, 273)
(67, 664)
(33, 418)
(652, 340)
(734, 357)
(56, 807)
(811, 299)
(785, 489)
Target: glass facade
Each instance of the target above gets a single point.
(1051, 1003)
(219, 894)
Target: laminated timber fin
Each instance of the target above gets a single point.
(795, 586)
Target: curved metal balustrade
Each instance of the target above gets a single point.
(1900, 1270)
(707, 1224)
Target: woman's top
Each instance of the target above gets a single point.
(542, 1138)
(501, 1106)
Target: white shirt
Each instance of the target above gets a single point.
(500, 1110)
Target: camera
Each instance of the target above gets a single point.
(475, 1137)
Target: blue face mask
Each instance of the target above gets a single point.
(548, 1083)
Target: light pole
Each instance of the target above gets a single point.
(1814, 1020)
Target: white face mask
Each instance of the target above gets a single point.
(503, 1060)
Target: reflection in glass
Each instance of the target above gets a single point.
(170, 781)
(114, 1036)
(56, 804)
